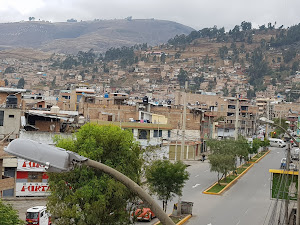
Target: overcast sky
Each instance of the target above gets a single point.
(197, 14)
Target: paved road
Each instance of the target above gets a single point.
(245, 203)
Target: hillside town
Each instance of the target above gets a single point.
(40, 100)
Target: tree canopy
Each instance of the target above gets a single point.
(166, 179)
(8, 215)
(21, 83)
(86, 195)
(224, 154)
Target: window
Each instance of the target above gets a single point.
(35, 177)
(11, 116)
(169, 133)
(1, 118)
(143, 134)
(157, 133)
(79, 97)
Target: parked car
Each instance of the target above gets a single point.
(275, 142)
(144, 213)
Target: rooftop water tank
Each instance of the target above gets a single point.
(106, 95)
(54, 109)
(11, 101)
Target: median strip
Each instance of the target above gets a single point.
(228, 181)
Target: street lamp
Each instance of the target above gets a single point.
(60, 160)
(271, 122)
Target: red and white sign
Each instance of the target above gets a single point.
(32, 189)
(25, 165)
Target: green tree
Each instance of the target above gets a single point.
(251, 93)
(224, 155)
(225, 91)
(89, 196)
(182, 77)
(9, 69)
(289, 54)
(163, 58)
(21, 83)
(281, 122)
(166, 179)
(256, 144)
(53, 83)
(8, 215)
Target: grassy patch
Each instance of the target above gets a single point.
(282, 188)
(216, 188)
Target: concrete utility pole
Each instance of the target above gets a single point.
(286, 211)
(182, 140)
(268, 117)
(237, 112)
(183, 123)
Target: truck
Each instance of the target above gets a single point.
(38, 215)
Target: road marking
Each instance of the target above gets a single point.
(265, 184)
(238, 222)
(197, 175)
(206, 170)
(196, 185)
(209, 224)
(246, 211)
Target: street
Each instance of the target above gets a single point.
(246, 203)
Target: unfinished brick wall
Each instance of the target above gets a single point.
(45, 126)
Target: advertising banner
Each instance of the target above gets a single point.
(32, 189)
(25, 165)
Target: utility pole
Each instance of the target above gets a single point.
(286, 211)
(183, 123)
(298, 193)
(268, 117)
(182, 141)
(237, 112)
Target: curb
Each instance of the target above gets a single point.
(235, 179)
(185, 219)
(262, 156)
(159, 220)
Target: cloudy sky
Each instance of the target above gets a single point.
(194, 13)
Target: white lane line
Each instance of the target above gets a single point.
(246, 211)
(197, 175)
(265, 185)
(238, 222)
(196, 185)
(206, 170)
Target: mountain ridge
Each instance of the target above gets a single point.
(71, 37)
